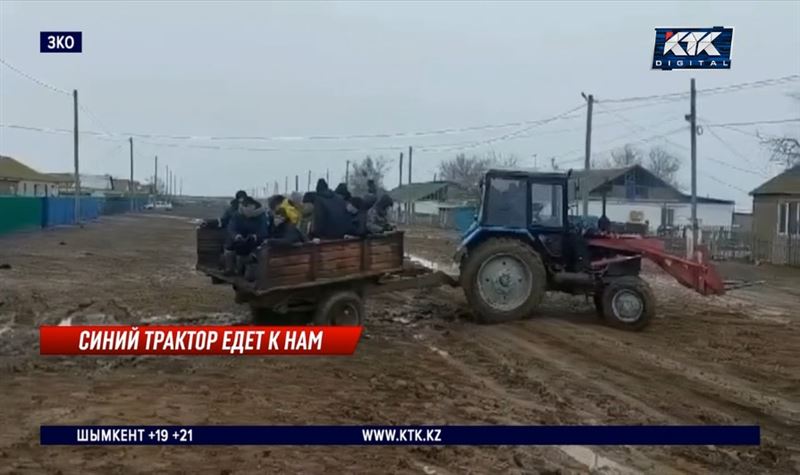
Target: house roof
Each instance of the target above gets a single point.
(14, 170)
(787, 183)
(599, 176)
(419, 191)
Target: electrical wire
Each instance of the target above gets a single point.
(464, 145)
(708, 91)
(34, 79)
(755, 122)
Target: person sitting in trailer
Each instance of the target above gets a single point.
(283, 231)
(247, 229)
(331, 220)
(291, 211)
(230, 211)
(377, 216)
(341, 190)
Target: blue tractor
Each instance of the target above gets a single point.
(523, 243)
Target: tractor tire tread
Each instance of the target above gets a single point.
(472, 264)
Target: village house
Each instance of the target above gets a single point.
(636, 195)
(776, 218)
(18, 179)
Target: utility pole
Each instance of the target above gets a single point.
(77, 172)
(692, 118)
(155, 179)
(166, 182)
(328, 176)
(410, 151)
(130, 183)
(400, 181)
(308, 187)
(297, 183)
(286, 185)
(347, 173)
(588, 162)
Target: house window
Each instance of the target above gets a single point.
(789, 218)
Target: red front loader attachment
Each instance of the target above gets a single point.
(699, 275)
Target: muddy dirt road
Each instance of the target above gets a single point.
(722, 360)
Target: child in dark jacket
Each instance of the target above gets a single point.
(284, 232)
(247, 229)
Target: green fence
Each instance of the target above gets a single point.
(18, 213)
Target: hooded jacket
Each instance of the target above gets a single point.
(331, 220)
(249, 220)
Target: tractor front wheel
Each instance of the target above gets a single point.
(628, 303)
(503, 279)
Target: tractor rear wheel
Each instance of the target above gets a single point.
(503, 279)
(628, 303)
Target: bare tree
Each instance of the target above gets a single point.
(367, 169)
(468, 171)
(784, 150)
(626, 156)
(664, 165)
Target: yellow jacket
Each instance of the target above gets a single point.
(292, 213)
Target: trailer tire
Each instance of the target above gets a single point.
(628, 303)
(503, 269)
(340, 308)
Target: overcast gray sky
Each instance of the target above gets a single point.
(305, 69)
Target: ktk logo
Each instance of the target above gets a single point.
(696, 43)
(693, 48)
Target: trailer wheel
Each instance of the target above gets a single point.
(503, 280)
(628, 303)
(340, 308)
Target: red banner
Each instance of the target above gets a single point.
(197, 340)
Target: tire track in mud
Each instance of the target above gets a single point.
(707, 383)
(685, 402)
(522, 410)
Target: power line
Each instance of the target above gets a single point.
(726, 183)
(436, 147)
(34, 79)
(755, 122)
(731, 149)
(708, 91)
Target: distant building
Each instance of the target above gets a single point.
(122, 186)
(742, 221)
(18, 179)
(776, 217)
(423, 201)
(635, 195)
(94, 185)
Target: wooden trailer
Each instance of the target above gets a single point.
(329, 279)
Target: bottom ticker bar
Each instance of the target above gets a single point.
(400, 435)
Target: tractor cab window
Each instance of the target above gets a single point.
(505, 202)
(546, 205)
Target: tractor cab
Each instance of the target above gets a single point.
(523, 200)
(528, 205)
